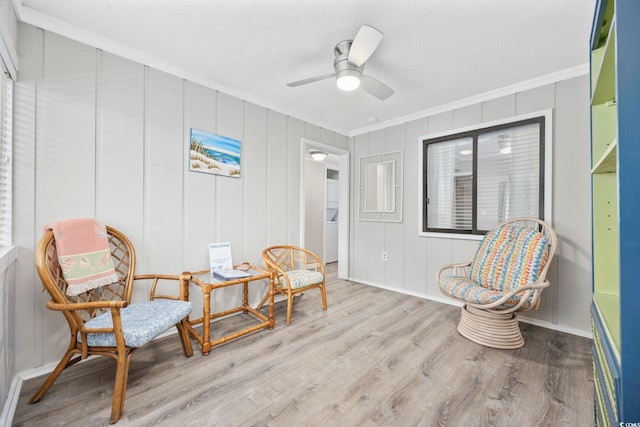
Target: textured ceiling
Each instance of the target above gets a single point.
(434, 52)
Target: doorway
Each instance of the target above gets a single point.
(316, 221)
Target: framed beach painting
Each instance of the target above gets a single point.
(214, 154)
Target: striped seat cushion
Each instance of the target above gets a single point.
(467, 290)
(302, 278)
(141, 322)
(508, 257)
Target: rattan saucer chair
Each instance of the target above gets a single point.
(103, 321)
(506, 276)
(295, 270)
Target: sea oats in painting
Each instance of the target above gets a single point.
(214, 154)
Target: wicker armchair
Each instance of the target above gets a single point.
(295, 270)
(506, 276)
(103, 321)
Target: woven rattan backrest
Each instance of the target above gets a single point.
(290, 258)
(124, 260)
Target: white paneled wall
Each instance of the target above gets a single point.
(413, 261)
(97, 135)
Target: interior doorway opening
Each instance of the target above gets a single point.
(324, 202)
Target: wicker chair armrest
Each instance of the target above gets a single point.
(277, 271)
(155, 279)
(532, 288)
(86, 305)
(454, 267)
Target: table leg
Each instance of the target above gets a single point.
(272, 319)
(206, 322)
(245, 296)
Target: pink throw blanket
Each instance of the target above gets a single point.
(83, 254)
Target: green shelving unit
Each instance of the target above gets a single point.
(615, 172)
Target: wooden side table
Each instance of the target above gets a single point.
(207, 283)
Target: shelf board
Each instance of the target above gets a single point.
(608, 161)
(608, 306)
(604, 88)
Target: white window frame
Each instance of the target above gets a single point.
(548, 168)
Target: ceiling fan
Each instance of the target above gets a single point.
(349, 65)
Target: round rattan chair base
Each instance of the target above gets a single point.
(490, 329)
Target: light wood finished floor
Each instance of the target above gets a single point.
(374, 358)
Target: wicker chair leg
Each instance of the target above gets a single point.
(184, 337)
(120, 387)
(64, 363)
(323, 292)
(289, 308)
(490, 329)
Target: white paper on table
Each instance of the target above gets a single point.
(220, 257)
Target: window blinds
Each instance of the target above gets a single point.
(6, 122)
(505, 174)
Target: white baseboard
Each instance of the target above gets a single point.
(444, 300)
(9, 410)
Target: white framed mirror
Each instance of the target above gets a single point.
(381, 187)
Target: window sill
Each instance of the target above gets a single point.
(8, 255)
(451, 236)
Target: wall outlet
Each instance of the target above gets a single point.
(384, 256)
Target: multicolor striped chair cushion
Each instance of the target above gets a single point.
(467, 290)
(302, 278)
(508, 257)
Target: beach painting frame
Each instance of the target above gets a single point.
(214, 154)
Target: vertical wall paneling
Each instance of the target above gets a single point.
(65, 148)
(360, 235)
(313, 132)
(295, 133)
(376, 230)
(571, 200)
(394, 268)
(120, 147)
(254, 170)
(415, 250)
(467, 116)
(199, 188)
(277, 179)
(231, 214)
(230, 119)
(28, 302)
(255, 190)
(538, 99)
(499, 108)
(164, 172)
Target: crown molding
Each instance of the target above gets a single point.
(54, 25)
(544, 80)
(81, 35)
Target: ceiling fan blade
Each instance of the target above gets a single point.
(310, 80)
(375, 87)
(365, 42)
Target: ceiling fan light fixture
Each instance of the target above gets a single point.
(348, 80)
(317, 155)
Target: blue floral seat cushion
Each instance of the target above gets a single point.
(302, 278)
(469, 291)
(141, 322)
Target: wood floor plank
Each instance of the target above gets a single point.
(374, 358)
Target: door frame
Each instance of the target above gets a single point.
(343, 200)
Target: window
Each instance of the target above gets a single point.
(478, 178)
(6, 108)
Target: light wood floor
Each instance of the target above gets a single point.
(374, 358)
